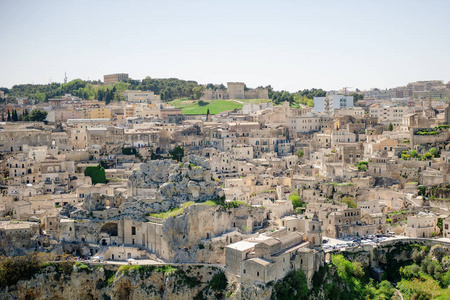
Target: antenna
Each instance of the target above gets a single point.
(65, 77)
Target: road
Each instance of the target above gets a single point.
(399, 294)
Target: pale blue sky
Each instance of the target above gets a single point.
(289, 44)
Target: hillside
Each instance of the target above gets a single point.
(199, 107)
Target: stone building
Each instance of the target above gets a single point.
(263, 259)
(235, 90)
(422, 225)
(347, 222)
(113, 78)
(17, 236)
(446, 227)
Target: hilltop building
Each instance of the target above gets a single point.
(113, 78)
(235, 90)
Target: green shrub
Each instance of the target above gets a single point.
(363, 166)
(96, 173)
(350, 201)
(129, 151)
(218, 282)
(13, 269)
(296, 200)
(82, 267)
(293, 286)
(177, 153)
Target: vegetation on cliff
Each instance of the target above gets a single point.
(343, 279)
(293, 286)
(24, 267)
(34, 275)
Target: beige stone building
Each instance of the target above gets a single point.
(347, 223)
(113, 78)
(264, 258)
(235, 90)
(446, 227)
(422, 225)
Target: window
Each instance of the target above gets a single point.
(133, 230)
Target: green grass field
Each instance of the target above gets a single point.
(173, 212)
(179, 210)
(200, 107)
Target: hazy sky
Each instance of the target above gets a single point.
(289, 44)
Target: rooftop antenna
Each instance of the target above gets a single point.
(65, 77)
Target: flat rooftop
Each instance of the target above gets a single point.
(242, 245)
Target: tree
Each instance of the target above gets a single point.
(38, 115)
(390, 127)
(433, 152)
(414, 153)
(428, 155)
(406, 156)
(293, 286)
(363, 166)
(177, 153)
(13, 269)
(129, 151)
(9, 117)
(299, 153)
(350, 201)
(197, 92)
(96, 173)
(296, 200)
(103, 164)
(218, 282)
(207, 115)
(440, 224)
(14, 116)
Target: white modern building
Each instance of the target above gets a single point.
(329, 103)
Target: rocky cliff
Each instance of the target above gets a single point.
(178, 183)
(69, 281)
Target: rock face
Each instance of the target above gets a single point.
(194, 235)
(64, 281)
(167, 180)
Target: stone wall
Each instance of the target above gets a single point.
(429, 139)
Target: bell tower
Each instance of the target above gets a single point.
(315, 231)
